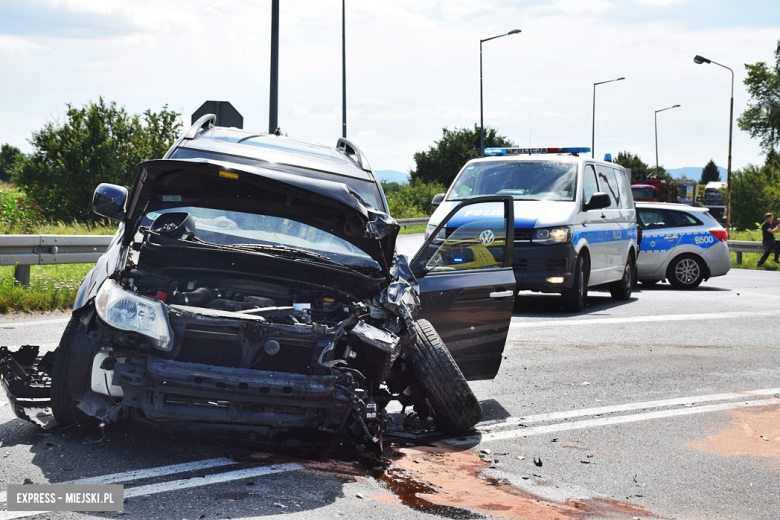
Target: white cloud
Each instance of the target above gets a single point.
(15, 46)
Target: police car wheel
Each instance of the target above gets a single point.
(455, 407)
(63, 407)
(685, 272)
(574, 298)
(621, 290)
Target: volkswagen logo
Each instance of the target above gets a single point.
(487, 237)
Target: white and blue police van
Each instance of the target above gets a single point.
(575, 220)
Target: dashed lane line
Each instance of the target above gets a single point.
(608, 421)
(571, 414)
(639, 319)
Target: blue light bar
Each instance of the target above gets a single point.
(529, 151)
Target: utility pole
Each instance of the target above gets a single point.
(343, 69)
(273, 107)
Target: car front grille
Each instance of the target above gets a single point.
(296, 356)
(523, 235)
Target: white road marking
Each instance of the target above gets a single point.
(552, 428)
(512, 421)
(161, 471)
(43, 347)
(174, 485)
(639, 319)
(16, 324)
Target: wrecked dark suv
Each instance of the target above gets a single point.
(253, 291)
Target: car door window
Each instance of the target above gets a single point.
(625, 189)
(684, 219)
(589, 183)
(652, 219)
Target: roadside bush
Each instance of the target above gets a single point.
(414, 200)
(19, 214)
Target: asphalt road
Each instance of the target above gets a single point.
(658, 407)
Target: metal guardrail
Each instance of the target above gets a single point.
(403, 222)
(744, 246)
(26, 250)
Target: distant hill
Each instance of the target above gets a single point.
(692, 172)
(392, 176)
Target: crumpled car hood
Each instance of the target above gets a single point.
(330, 206)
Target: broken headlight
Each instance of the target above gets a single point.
(128, 311)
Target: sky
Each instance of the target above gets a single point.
(412, 69)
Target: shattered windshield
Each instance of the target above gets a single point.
(274, 235)
(523, 180)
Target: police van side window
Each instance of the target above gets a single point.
(625, 189)
(608, 184)
(589, 183)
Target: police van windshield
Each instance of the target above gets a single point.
(523, 180)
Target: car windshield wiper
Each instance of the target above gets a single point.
(291, 251)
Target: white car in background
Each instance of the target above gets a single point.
(680, 243)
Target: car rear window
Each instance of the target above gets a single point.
(684, 219)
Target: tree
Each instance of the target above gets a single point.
(442, 161)
(640, 171)
(759, 120)
(97, 143)
(755, 190)
(710, 173)
(8, 157)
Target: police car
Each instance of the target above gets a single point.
(574, 218)
(680, 243)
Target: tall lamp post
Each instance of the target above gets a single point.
(481, 118)
(699, 60)
(593, 133)
(656, 135)
(344, 69)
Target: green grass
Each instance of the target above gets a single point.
(749, 260)
(59, 228)
(51, 287)
(408, 230)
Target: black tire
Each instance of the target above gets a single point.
(621, 290)
(63, 407)
(685, 272)
(574, 298)
(455, 407)
(649, 282)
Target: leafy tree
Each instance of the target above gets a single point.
(710, 173)
(97, 143)
(640, 171)
(8, 157)
(414, 200)
(759, 120)
(442, 161)
(755, 190)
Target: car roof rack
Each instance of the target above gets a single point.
(194, 130)
(350, 149)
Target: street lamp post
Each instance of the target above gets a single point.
(593, 133)
(699, 60)
(656, 136)
(344, 69)
(481, 118)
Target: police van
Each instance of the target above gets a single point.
(575, 220)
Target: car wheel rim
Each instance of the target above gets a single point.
(687, 271)
(627, 277)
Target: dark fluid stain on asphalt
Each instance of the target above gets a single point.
(406, 488)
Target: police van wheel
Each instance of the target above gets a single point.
(685, 272)
(574, 298)
(455, 407)
(621, 290)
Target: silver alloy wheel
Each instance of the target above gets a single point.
(687, 271)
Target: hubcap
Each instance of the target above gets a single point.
(687, 271)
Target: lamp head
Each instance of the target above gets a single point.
(700, 59)
(676, 106)
(619, 79)
(514, 31)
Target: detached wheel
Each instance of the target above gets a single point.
(63, 407)
(454, 406)
(574, 298)
(685, 272)
(621, 290)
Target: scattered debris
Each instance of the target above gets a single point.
(27, 481)
(554, 440)
(277, 504)
(764, 438)
(585, 383)
(359, 495)
(585, 461)
(538, 460)
(484, 451)
(520, 457)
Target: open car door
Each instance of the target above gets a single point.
(467, 287)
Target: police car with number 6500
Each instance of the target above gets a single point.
(575, 221)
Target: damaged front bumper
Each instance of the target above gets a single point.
(26, 379)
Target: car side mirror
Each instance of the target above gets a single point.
(598, 201)
(437, 199)
(109, 201)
